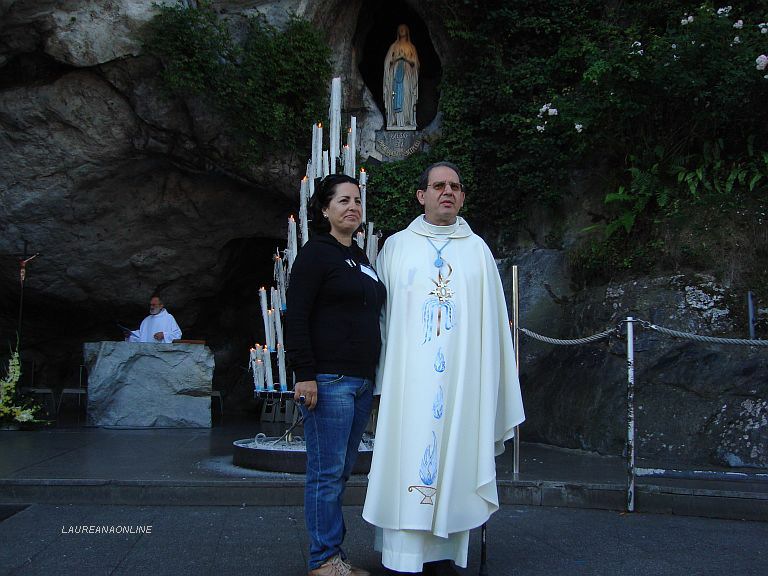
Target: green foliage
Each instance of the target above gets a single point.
(391, 198)
(667, 120)
(269, 87)
(13, 408)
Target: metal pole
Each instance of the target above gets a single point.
(751, 315)
(516, 342)
(483, 552)
(630, 414)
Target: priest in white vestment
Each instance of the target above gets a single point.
(450, 394)
(159, 326)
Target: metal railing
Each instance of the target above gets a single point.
(633, 471)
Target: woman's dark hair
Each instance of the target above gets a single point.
(324, 191)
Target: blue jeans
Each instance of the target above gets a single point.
(332, 432)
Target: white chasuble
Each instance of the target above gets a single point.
(450, 395)
(163, 322)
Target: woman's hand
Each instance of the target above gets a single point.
(308, 389)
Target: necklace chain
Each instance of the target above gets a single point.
(439, 260)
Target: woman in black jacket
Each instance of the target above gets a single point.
(333, 342)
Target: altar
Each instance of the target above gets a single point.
(147, 385)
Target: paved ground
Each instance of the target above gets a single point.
(225, 540)
(80, 465)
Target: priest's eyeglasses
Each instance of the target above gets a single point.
(440, 186)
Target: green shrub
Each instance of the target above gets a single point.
(269, 88)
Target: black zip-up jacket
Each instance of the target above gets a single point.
(332, 311)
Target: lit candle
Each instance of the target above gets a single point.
(303, 198)
(278, 301)
(271, 337)
(335, 115)
(360, 239)
(317, 161)
(363, 189)
(349, 162)
(345, 157)
(281, 367)
(371, 245)
(258, 376)
(292, 243)
(270, 383)
(264, 315)
(312, 165)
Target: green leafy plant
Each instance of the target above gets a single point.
(14, 409)
(269, 87)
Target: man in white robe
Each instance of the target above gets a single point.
(450, 395)
(159, 326)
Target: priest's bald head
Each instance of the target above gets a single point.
(441, 193)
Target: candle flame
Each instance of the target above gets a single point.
(291, 218)
(362, 169)
(319, 124)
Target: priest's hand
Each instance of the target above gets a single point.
(307, 390)
(159, 336)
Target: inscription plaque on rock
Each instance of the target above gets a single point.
(397, 144)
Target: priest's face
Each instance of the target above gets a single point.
(155, 305)
(443, 197)
(344, 210)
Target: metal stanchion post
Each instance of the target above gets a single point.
(630, 414)
(516, 341)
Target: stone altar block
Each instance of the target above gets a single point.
(138, 385)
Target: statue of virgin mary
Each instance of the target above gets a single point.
(401, 82)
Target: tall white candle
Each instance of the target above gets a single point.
(270, 383)
(281, 367)
(318, 154)
(312, 165)
(372, 245)
(258, 367)
(279, 328)
(326, 165)
(360, 239)
(345, 160)
(351, 156)
(280, 280)
(258, 376)
(335, 116)
(292, 242)
(271, 340)
(363, 190)
(304, 198)
(275, 299)
(264, 309)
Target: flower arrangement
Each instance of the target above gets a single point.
(13, 409)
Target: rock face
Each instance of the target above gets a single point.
(125, 191)
(696, 403)
(149, 385)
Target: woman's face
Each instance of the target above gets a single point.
(345, 211)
